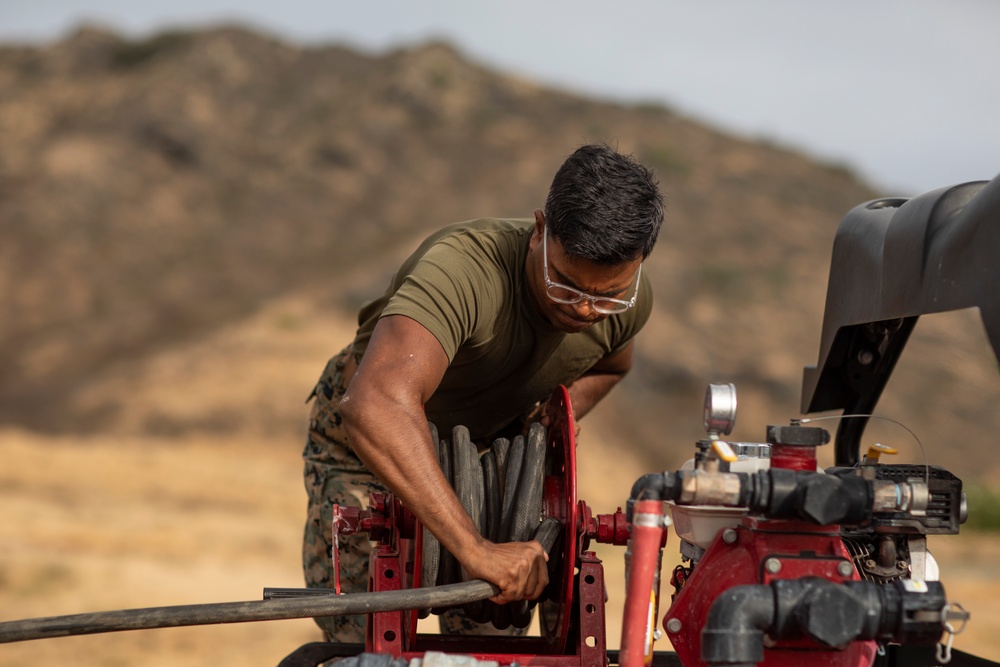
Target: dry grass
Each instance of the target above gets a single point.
(108, 524)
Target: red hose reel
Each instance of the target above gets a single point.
(571, 613)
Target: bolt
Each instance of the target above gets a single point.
(674, 626)
(772, 565)
(729, 536)
(845, 569)
(869, 563)
(903, 565)
(866, 357)
(657, 634)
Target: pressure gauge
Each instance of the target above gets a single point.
(720, 409)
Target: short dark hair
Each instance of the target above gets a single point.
(604, 206)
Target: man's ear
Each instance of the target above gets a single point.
(536, 235)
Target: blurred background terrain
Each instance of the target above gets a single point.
(189, 221)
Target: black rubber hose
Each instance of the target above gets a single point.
(469, 489)
(468, 482)
(492, 495)
(244, 612)
(548, 533)
(430, 555)
(448, 566)
(530, 485)
(528, 510)
(431, 551)
(511, 454)
(512, 472)
(500, 448)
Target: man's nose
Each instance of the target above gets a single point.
(584, 308)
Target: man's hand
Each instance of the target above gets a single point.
(518, 568)
(542, 413)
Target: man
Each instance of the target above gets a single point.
(478, 327)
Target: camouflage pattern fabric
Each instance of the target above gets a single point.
(334, 474)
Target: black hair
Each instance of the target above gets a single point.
(604, 206)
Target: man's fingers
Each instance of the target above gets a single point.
(519, 569)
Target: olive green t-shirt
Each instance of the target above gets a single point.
(466, 284)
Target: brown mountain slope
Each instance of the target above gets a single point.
(156, 194)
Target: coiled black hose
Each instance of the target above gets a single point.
(502, 491)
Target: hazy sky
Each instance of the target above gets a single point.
(905, 91)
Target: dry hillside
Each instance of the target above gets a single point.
(154, 192)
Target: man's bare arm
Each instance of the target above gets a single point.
(588, 390)
(384, 417)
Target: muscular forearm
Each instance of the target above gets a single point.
(588, 390)
(412, 474)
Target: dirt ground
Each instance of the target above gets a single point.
(115, 524)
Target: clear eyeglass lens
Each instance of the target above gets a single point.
(564, 295)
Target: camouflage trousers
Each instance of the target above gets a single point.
(334, 475)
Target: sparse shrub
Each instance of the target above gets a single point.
(723, 280)
(840, 169)
(778, 277)
(666, 160)
(132, 53)
(984, 508)
(440, 79)
(653, 108)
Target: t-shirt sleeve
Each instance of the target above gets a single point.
(446, 292)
